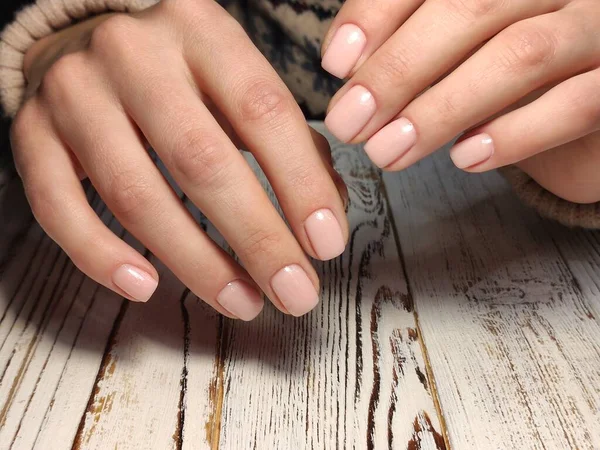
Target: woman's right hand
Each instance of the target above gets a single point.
(184, 76)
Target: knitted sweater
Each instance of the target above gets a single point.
(288, 32)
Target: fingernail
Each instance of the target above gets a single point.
(391, 142)
(138, 284)
(344, 50)
(325, 234)
(295, 290)
(351, 113)
(241, 300)
(472, 151)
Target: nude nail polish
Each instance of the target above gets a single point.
(351, 113)
(391, 142)
(137, 283)
(472, 151)
(325, 234)
(344, 50)
(241, 299)
(295, 290)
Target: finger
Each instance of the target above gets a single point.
(522, 59)
(113, 155)
(269, 121)
(212, 172)
(61, 207)
(433, 39)
(566, 113)
(359, 28)
(569, 171)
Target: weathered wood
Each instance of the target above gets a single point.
(349, 375)
(84, 370)
(513, 342)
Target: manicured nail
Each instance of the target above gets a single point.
(325, 234)
(351, 113)
(137, 283)
(391, 142)
(344, 50)
(295, 290)
(472, 151)
(241, 300)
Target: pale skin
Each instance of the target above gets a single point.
(184, 76)
(520, 76)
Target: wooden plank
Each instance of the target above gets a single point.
(349, 375)
(175, 375)
(512, 340)
(41, 333)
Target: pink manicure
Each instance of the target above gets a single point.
(137, 283)
(295, 290)
(241, 300)
(472, 151)
(325, 234)
(344, 50)
(391, 142)
(351, 113)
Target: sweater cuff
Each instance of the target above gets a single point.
(548, 204)
(37, 21)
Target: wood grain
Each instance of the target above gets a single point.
(83, 369)
(513, 337)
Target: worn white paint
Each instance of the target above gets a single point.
(513, 343)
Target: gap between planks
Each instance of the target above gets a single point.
(426, 357)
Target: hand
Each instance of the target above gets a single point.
(521, 77)
(184, 77)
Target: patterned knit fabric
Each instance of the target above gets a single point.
(287, 32)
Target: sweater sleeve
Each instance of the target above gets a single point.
(549, 205)
(36, 21)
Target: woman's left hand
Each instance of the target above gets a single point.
(520, 77)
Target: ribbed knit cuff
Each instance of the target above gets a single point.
(548, 204)
(37, 21)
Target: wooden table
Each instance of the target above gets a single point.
(456, 318)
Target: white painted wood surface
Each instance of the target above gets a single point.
(508, 311)
(507, 337)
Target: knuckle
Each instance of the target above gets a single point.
(260, 243)
(393, 69)
(114, 35)
(128, 194)
(475, 9)
(526, 47)
(448, 108)
(263, 101)
(199, 159)
(62, 77)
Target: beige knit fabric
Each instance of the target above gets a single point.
(37, 21)
(548, 204)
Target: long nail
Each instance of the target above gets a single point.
(137, 283)
(241, 300)
(351, 113)
(325, 234)
(472, 151)
(295, 290)
(391, 142)
(344, 50)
